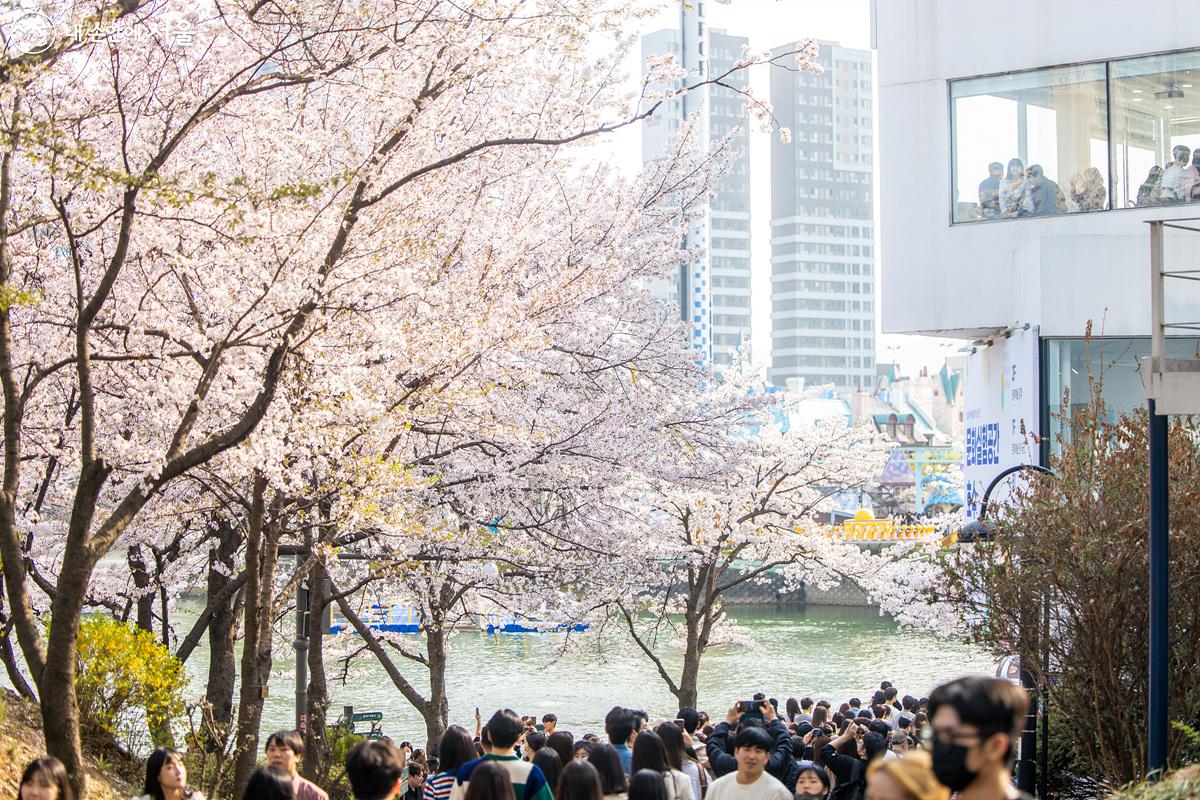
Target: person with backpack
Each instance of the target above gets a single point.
(752, 748)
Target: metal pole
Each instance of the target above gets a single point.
(1159, 507)
(1044, 751)
(1027, 766)
(1027, 770)
(301, 644)
(1156, 739)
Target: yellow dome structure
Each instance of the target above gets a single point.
(862, 515)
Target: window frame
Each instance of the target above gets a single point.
(1108, 105)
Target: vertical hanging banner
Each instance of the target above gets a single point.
(1000, 413)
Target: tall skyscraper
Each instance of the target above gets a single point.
(822, 223)
(714, 291)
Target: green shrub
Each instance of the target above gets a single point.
(129, 687)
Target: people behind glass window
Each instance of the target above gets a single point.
(1148, 192)
(1175, 186)
(1192, 178)
(1087, 192)
(1012, 188)
(1041, 195)
(989, 205)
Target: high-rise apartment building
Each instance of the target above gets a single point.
(715, 290)
(822, 226)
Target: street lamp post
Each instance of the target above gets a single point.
(1028, 774)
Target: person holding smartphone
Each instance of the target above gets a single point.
(758, 713)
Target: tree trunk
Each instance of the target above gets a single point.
(316, 746)
(56, 687)
(262, 549)
(690, 677)
(163, 601)
(9, 656)
(144, 602)
(436, 711)
(11, 668)
(222, 626)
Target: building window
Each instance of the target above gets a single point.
(1030, 143)
(1085, 137)
(1156, 129)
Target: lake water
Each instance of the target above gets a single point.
(825, 652)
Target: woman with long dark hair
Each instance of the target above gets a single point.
(490, 781)
(1012, 189)
(455, 749)
(563, 743)
(549, 763)
(647, 784)
(650, 753)
(166, 777)
(45, 778)
(579, 781)
(682, 758)
(792, 707)
(607, 762)
(269, 783)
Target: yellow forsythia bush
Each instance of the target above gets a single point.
(127, 683)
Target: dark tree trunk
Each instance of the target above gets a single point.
(316, 746)
(9, 656)
(144, 602)
(262, 550)
(160, 565)
(436, 710)
(689, 678)
(56, 687)
(222, 626)
(698, 616)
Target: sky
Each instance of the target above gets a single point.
(769, 23)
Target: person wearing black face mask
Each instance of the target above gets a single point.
(974, 724)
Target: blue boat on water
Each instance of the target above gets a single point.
(388, 617)
(398, 618)
(512, 624)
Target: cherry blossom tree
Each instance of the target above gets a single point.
(743, 507)
(215, 230)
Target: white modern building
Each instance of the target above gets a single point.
(1023, 148)
(714, 290)
(822, 223)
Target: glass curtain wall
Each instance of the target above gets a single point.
(1156, 129)
(1087, 137)
(1073, 366)
(1030, 144)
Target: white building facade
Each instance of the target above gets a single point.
(1023, 148)
(822, 223)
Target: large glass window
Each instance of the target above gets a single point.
(1156, 129)
(1030, 143)
(1073, 366)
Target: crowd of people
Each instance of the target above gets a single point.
(1020, 191)
(959, 741)
(1179, 182)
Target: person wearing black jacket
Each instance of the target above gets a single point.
(848, 769)
(720, 743)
